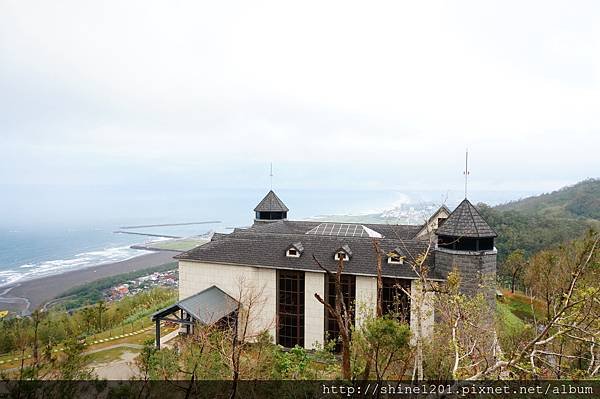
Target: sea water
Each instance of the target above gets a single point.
(27, 253)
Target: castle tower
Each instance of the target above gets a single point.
(466, 242)
(270, 209)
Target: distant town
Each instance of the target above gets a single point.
(165, 279)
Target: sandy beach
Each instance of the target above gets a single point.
(24, 296)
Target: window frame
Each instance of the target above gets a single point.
(289, 253)
(290, 308)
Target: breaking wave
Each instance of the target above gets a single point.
(82, 260)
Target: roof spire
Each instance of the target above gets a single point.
(466, 172)
(271, 176)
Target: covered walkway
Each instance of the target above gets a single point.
(206, 308)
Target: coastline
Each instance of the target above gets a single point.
(25, 296)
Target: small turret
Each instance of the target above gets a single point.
(270, 209)
(466, 242)
(465, 230)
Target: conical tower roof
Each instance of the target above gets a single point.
(271, 203)
(466, 221)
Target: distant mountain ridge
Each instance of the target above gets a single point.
(531, 224)
(579, 201)
(544, 221)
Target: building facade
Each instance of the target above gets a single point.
(285, 263)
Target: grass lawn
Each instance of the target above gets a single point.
(508, 318)
(520, 305)
(138, 339)
(184, 244)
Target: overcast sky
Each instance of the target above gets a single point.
(367, 95)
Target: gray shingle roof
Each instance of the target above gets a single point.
(207, 306)
(271, 203)
(298, 245)
(262, 247)
(465, 221)
(392, 231)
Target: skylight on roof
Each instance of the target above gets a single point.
(344, 230)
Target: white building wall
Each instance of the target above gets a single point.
(314, 312)
(366, 298)
(427, 310)
(197, 276)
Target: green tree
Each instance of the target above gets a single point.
(514, 266)
(292, 364)
(385, 343)
(100, 308)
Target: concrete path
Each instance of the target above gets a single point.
(164, 340)
(120, 369)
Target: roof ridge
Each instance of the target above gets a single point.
(472, 217)
(466, 223)
(271, 203)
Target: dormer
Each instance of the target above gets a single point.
(294, 250)
(395, 257)
(343, 253)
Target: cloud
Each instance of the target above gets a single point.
(379, 95)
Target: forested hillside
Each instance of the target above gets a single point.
(535, 223)
(530, 232)
(580, 201)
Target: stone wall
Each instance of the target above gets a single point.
(477, 270)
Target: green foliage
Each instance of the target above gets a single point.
(520, 306)
(291, 364)
(58, 326)
(72, 366)
(529, 232)
(157, 364)
(388, 333)
(381, 346)
(510, 272)
(581, 200)
(510, 328)
(587, 206)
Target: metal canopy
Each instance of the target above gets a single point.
(206, 307)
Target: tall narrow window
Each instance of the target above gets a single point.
(395, 302)
(332, 329)
(290, 308)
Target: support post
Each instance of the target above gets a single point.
(157, 334)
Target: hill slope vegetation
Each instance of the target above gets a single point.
(579, 201)
(546, 220)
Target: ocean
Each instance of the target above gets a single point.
(26, 253)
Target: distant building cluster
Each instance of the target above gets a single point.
(410, 214)
(168, 279)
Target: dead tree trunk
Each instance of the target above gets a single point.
(340, 313)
